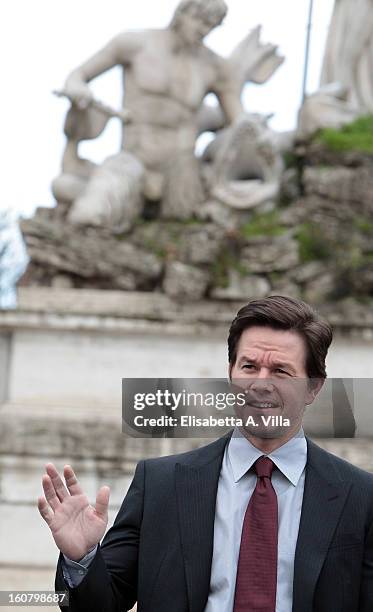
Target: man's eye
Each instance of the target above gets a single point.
(248, 366)
(280, 371)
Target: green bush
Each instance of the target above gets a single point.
(313, 244)
(356, 136)
(266, 224)
(364, 225)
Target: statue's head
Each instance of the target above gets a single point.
(194, 19)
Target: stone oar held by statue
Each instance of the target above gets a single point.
(123, 114)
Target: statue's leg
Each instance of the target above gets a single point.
(70, 184)
(68, 187)
(113, 196)
(183, 192)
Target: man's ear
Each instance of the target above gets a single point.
(314, 387)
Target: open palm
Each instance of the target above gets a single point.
(76, 526)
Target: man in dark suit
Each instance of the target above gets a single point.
(261, 520)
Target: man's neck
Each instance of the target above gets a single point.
(180, 45)
(268, 445)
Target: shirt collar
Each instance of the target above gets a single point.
(290, 458)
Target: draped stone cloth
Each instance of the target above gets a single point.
(348, 57)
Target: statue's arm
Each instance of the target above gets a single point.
(227, 88)
(119, 51)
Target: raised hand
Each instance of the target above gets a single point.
(80, 95)
(76, 526)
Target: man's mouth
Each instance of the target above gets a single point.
(263, 405)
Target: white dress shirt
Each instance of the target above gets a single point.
(236, 485)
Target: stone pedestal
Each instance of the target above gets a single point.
(63, 354)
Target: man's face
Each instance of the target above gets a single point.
(270, 368)
(194, 28)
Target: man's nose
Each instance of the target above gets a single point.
(262, 381)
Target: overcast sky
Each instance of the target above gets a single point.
(42, 41)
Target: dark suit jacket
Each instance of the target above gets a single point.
(159, 550)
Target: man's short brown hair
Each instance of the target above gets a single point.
(280, 312)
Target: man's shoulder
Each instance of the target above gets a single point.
(193, 458)
(344, 469)
(220, 63)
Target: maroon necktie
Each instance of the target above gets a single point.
(257, 563)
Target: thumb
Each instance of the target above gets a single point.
(102, 502)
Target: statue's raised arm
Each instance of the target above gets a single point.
(119, 51)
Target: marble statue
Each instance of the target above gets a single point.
(346, 86)
(326, 108)
(246, 164)
(348, 56)
(167, 75)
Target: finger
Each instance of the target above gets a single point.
(102, 502)
(45, 510)
(50, 493)
(83, 102)
(72, 481)
(59, 487)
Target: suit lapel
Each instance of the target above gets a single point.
(324, 497)
(196, 489)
